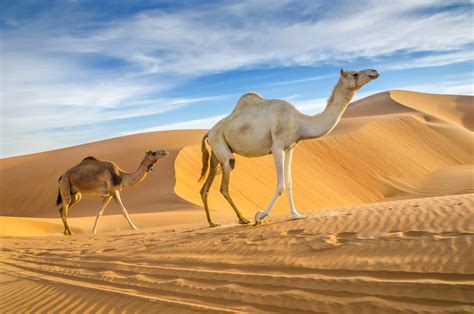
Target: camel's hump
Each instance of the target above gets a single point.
(90, 158)
(251, 95)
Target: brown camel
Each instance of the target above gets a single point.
(103, 179)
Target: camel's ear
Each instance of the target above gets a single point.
(343, 73)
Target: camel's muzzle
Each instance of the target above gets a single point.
(374, 76)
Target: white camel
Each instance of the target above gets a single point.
(258, 127)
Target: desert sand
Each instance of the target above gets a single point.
(389, 196)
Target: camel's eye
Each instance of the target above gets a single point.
(355, 75)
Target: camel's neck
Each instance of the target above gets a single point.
(132, 178)
(323, 123)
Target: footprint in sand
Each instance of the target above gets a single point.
(412, 233)
(42, 253)
(332, 241)
(324, 243)
(292, 232)
(345, 237)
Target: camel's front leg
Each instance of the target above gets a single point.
(124, 210)
(105, 202)
(288, 184)
(278, 157)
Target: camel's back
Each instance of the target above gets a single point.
(253, 104)
(248, 130)
(91, 174)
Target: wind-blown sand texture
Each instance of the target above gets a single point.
(389, 196)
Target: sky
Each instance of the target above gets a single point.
(74, 72)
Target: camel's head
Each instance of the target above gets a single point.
(151, 157)
(354, 80)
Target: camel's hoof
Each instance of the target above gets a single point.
(243, 221)
(259, 217)
(297, 216)
(212, 225)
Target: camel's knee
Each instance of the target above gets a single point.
(203, 190)
(76, 197)
(225, 191)
(280, 189)
(231, 162)
(207, 185)
(63, 209)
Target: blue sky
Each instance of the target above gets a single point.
(73, 72)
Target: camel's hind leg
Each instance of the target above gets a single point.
(226, 170)
(207, 185)
(63, 212)
(66, 201)
(75, 198)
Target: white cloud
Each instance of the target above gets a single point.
(451, 88)
(194, 42)
(305, 80)
(206, 123)
(433, 60)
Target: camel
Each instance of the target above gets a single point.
(103, 179)
(259, 126)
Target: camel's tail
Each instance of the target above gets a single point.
(205, 157)
(59, 199)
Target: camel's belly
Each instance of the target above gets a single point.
(98, 192)
(248, 139)
(91, 185)
(251, 146)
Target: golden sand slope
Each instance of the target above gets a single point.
(381, 148)
(406, 255)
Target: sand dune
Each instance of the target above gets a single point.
(411, 255)
(389, 196)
